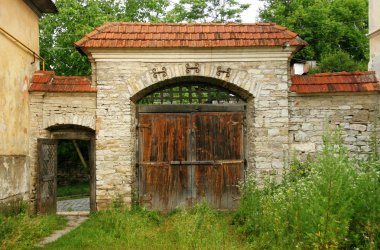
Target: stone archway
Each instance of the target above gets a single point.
(55, 116)
(47, 148)
(238, 80)
(120, 84)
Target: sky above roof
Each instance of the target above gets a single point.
(251, 14)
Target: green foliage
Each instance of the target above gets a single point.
(13, 207)
(59, 31)
(76, 18)
(67, 155)
(22, 232)
(73, 190)
(338, 61)
(327, 25)
(136, 228)
(334, 204)
(220, 11)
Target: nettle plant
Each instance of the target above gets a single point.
(333, 203)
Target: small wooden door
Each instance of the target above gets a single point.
(190, 157)
(47, 176)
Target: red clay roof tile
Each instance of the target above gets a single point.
(169, 35)
(47, 81)
(358, 81)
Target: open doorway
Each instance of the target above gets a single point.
(66, 171)
(73, 176)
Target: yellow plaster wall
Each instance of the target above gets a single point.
(374, 17)
(16, 70)
(374, 36)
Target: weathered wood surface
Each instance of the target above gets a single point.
(188, 158)
(47, 179)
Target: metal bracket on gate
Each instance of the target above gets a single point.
(163, 72)
(220, 71)
(195, 67)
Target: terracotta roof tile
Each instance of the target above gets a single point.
(47, 81)
(169, 35)
(358, 81)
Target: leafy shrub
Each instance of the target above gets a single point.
(338, 61)
(334, 204)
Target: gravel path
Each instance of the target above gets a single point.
(82, 204)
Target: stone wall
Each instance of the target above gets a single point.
(56, 110)
(311, 115)
(278, 123)
(264, 82)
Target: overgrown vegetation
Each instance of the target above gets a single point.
(20, 231)
(331, 203)
(136, 228)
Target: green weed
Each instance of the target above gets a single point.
(78, 189)
(137, 228)
(22, 231)
(332, 202)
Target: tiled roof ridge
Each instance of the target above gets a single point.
(47, 81)
(343, 73)
(106, 34)
(107, 24)
(331, 82)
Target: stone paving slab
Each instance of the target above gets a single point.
(82, 204)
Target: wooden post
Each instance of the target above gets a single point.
(80, 154)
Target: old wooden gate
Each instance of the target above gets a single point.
(190, 149)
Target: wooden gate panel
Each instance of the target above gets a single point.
(47, 178)
(218, 137)
(164, 139)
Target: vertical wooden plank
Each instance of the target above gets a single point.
(47, 176)
(92, 166)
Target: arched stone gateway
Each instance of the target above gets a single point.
(184, 112)
(125, 70)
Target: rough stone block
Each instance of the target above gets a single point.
(358, 127)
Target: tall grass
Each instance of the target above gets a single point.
(332, 202)
(137, 228)
(21, 231)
